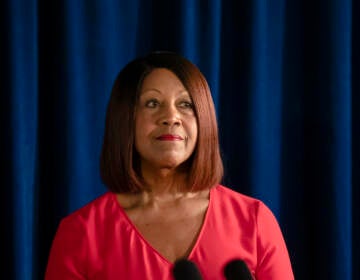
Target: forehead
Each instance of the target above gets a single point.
(162, 79)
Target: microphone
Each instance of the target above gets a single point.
(237, 270)
(186, 270)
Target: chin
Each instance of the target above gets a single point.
(174, 164)
(167, 161)
(169, 165)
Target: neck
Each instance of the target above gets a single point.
(164, 187)
(165, 181)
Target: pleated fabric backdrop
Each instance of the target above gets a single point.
(285, 79)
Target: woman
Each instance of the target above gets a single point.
(161, 163)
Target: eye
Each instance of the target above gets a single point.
(152, 103)
(186, 105)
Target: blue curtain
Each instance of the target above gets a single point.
(285, 79)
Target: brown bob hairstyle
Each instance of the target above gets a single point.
(119, 161)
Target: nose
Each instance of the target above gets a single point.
(170, 116)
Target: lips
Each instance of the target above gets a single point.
(170, 137)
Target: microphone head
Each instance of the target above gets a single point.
(237, 269)
(185, 269)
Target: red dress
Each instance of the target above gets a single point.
(98, 241)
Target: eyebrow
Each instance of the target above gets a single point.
(150, 89)
(181, 92)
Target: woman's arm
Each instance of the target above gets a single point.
(273, 258)
(68, 254)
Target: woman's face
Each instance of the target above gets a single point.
(165, 123)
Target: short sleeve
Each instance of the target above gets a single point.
(67, 259)
(273, 258)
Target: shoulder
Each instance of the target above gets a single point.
(246, 209)
(230, 193)
(229, 200)
(259, 225)
(225, 195)
(96, 209)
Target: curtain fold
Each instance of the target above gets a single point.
(285, 80)
(355, 120)
(20, 146)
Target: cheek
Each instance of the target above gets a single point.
(193, 133)
(141, 124)
(194, 129)
(143, 132)
(139, 132)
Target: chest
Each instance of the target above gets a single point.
(171, 232)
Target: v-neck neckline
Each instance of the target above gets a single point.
(150, 246)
